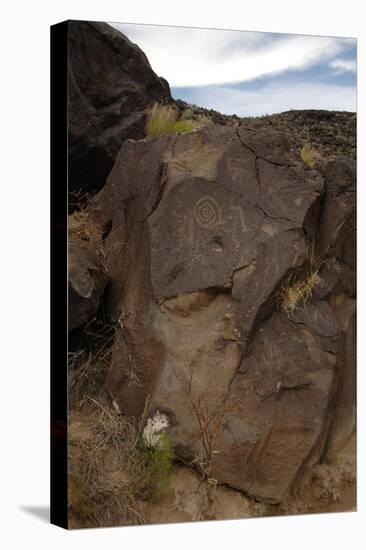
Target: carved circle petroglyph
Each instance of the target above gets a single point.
(207, 213)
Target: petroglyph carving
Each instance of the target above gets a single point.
(272, 355)
(240, 213)
(207, 213)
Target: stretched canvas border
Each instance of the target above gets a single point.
(59, 175)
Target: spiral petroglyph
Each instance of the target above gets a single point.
(207, 213)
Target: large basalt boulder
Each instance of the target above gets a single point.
(206, 228)
(110, 84)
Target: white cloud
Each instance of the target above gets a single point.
(275, 98)
(198, 57)
(344, 65)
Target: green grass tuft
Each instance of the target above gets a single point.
(162, 120)
(158, 461)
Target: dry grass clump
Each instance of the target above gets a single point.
(80, 228)
(78, 201)
(104, 466)
(112, 467)
(296, 292)
(110, 470)
(86, 376)
(80, 225)
(87, 369)
(162, 119)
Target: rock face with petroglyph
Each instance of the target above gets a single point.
(205, 229)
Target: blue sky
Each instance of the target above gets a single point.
(251, 73)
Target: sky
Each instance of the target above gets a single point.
(251, 73)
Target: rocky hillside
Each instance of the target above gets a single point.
(222, 261)
(331, 133)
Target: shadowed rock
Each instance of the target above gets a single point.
(87, 277)
(110, 84)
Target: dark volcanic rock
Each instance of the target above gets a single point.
(337, 232)
(205, 229)
(285, 386)
(110, 84)
(86, 273)
(337, 240)
(344, 419)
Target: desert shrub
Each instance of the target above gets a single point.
(204, 120)
(199, 119)
(187, 114)
(162, 119)
(307, 155)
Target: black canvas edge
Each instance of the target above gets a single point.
(59, 296)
